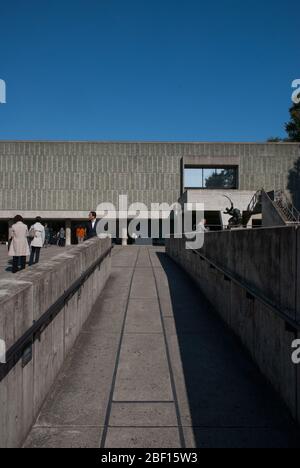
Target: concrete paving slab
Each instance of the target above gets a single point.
(90, 367)
(143, 415)
(60, 437)
(85, 378)
(143, 316)
(121, 293)
(143, 373)
(120, 278)
(170, 326)
(155, 255)
(142, 438)
(107, 316)
(166, 307)
(118, 284)
(125, 257)
(86, 407)
(144, 259)
(143, 286)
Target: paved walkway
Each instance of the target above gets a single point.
(155, 367)
(5, 261)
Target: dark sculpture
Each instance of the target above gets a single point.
(236, 219)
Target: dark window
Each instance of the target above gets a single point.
(211, 178)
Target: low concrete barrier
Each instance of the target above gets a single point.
(42, 311)
(265, 262)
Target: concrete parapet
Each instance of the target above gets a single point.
(265, 262)
(26, 299)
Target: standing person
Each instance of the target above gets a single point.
(19, 248)
(92, 225)
(80, 234)
(37, 233)
(61, 237)
(202, 226)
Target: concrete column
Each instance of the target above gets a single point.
(68, 233)
(124, 237)
(10, 223)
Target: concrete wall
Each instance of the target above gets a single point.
(24, 299)
(267, 260)
(214, 200)
(269, 166)
(77, 176)
(271, 216)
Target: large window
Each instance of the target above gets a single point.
(211, 178)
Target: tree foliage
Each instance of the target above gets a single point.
(293, 126)
(222, 179)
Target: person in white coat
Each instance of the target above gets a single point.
(18, 248)
(37, 234)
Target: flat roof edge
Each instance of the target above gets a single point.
(154, 142)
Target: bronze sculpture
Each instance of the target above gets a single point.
(236, 219)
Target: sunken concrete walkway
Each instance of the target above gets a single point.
(155, 367)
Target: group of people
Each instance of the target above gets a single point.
(24, 242)
(52, 238)
(20, 237)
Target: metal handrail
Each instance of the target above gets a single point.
(256, 199)
(252, 293)
(15, 353)
(280, 197)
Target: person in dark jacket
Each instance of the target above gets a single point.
(91, 230)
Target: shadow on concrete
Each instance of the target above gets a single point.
(230, 402)
(294, 183)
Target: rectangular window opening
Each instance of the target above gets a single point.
(211, 178)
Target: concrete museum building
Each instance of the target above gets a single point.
(63, 181)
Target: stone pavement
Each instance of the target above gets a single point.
(5, 261)
(155, 367)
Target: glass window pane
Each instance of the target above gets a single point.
(193, 178)
(220, 178)
(211, 178)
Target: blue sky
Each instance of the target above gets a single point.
(147, 70)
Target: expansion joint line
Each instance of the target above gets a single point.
(110, 401)
(172, 378)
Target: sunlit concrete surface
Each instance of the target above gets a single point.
(6, 261)
(154, 366)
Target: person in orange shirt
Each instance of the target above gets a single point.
(80, 234)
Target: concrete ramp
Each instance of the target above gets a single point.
(154, 366)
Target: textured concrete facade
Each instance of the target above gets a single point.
(77, 176)
(25, 299)
(265, 261)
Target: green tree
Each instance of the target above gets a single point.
(274, 140)
(225, 178)
(293, 126)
